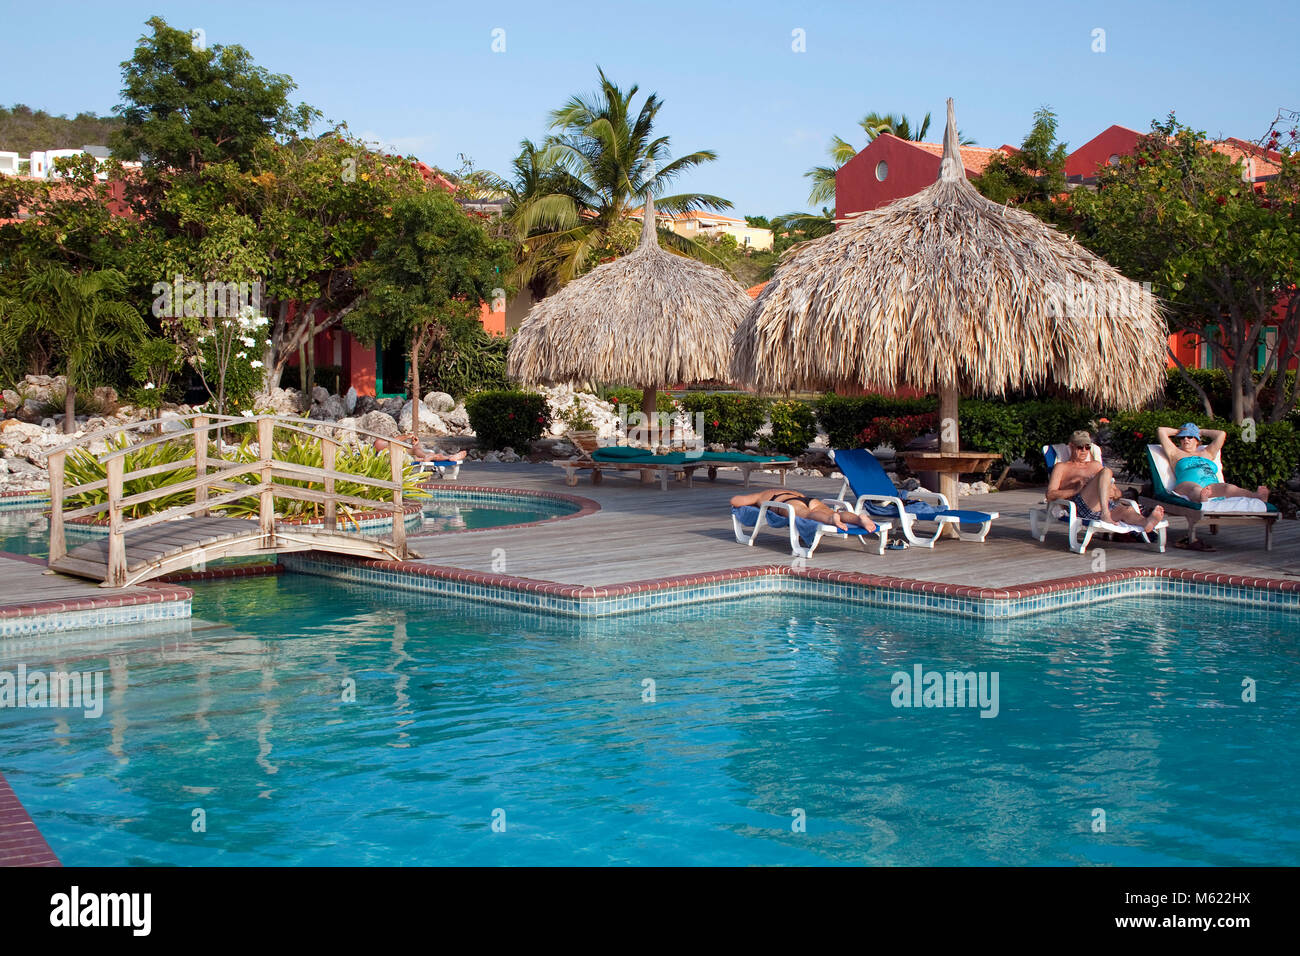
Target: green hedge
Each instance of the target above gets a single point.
(1179, 394)
(1270, 460)
(794, 428)
(632, 398)
(728, 419)
(843, 418)
(507, 419)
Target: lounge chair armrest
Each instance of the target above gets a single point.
(893, 500)
(933, 497)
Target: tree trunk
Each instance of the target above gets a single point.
(304, 396)
(69, 407)
(417, 346)
(949, 440)
(311, 364)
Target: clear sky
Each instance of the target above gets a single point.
(423, 77)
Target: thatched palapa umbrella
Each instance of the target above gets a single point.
(647, 319)
(949, 292)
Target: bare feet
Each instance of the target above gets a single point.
(1153, 519)
(1262, 492)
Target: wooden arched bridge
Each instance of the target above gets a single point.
(179, 537)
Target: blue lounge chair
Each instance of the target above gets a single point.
(446, 469)
(876, 495)
(805, 534)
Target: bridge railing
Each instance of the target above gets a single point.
(213, 483)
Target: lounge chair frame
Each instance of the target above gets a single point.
(1079, 531)
(1193, 514)
(796, 547)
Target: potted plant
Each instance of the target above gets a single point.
(580, 427)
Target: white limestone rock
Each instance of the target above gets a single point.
(350, 400)
(379, 423)
(439, 402)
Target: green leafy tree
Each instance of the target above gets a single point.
(187, 104)
(432, 272)
(1032, 178)
(24, 130)
(87, 313)
(1222, 252)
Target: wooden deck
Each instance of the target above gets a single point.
(642, 533)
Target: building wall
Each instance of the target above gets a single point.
(1113, 141)
(858, 187)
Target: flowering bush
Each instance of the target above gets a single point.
(507, 419)
(794, 428)
(728, 419)
(897, 431)
(223, 355)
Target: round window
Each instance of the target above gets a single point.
(882, 170)
(1114, 159)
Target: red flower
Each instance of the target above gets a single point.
(541, 418)
(511, 415)
(1137, 435)
(715, 423)
(1103, 421)
(1220, 200)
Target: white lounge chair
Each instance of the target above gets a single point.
(1079, 530)
(1214, 512)
(446, 469)
(777, 514)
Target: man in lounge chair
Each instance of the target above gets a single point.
(1195, 474)
(805, 507)
(1091, 486)
(420, 453)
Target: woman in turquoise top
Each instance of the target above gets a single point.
(1196, 476)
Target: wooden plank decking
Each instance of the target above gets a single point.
(643, 533)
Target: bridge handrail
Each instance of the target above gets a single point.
(216, 422)
(266, 465)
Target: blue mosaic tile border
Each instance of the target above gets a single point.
(24, 502)
(778, 581)
(58, 621)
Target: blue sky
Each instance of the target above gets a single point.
(422, 77)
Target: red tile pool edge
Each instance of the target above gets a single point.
(21, 843)
(1030, 589)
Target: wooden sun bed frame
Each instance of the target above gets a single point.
(649, 472)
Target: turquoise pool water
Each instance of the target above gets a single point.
(26, 532)
(466, 715)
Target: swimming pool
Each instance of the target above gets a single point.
(756, 731)
(27, 531)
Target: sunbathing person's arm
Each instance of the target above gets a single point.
(1054, 484)
(1217, 437)
(1166, 436)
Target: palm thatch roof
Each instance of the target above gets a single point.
(945, 290)
(648, 319)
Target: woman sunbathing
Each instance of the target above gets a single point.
(806, 507)
(1196, 474)
(418, 452)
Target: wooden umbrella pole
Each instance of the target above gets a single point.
(649, 402)
(949, 441)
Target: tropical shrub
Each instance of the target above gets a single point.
(898, 431)
(81, 467)
(85, 403)
(364, 462)
(794, 428)
(1270, 459)
(466, 358)
(630, 399)
(153, 368)
(728, 419)
(844, 417)
(507, 419)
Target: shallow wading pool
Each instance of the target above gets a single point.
(327, 723)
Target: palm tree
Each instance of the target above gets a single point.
(572, 198)
(85, 313)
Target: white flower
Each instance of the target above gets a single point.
(148, 385)
(246, 414)
(248, 343)
(254, 364)
(241, 355)
(268, 341)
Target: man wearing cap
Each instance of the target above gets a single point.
(1196, 476)
(1091, 486)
